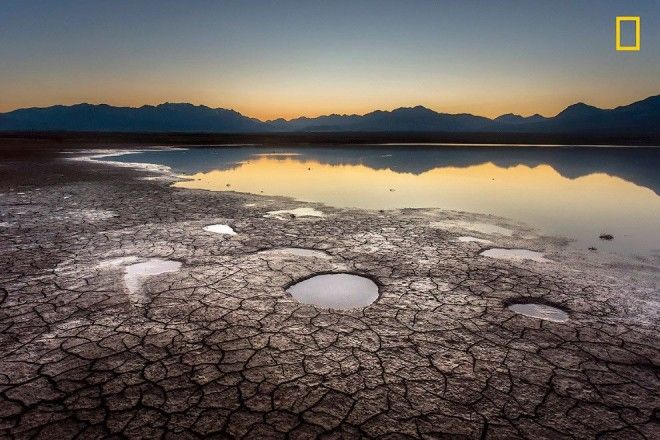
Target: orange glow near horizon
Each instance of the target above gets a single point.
(267, 109)
(303, 97)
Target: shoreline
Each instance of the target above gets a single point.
(98, 154)
(179, 180)
(47, 141)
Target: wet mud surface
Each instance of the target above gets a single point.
(216, 347)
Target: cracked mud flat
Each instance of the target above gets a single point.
(218, 348)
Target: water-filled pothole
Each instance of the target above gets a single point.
(515, 254)
(539, 311)
(293, 213)
(335, 291)
(136, 270)
(297, 252)
(136, 273)
(469, 238)
(220, 229)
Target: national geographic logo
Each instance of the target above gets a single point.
(636, 22)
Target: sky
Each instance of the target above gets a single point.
(281, 58)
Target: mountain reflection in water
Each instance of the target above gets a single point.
(577, 192)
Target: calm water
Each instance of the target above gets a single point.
(575, 192)
(336, 291)
(540, 311)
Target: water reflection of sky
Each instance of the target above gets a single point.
(573, 192)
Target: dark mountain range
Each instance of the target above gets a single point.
(161, 118)
(639, 118)
(402, 119)
(511, 118)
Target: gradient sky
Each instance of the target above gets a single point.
(289, 58)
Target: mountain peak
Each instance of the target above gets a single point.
(512, 118)
(416, 110)
(178, 105)
(579, 109)
(580, 105)
(509, 118)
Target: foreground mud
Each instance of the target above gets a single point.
(216, 347)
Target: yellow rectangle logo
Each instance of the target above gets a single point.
(637, 45)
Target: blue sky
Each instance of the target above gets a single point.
(290, 58)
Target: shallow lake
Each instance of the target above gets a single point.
(575, 192)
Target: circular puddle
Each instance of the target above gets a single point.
(539, 311)
(137, 270)
(335, 291)
(220, 229)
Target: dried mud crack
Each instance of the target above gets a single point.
(218, 348)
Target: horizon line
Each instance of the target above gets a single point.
(320, 115)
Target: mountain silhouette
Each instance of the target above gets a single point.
(161, 118)
(511, 118)
(638, 118)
